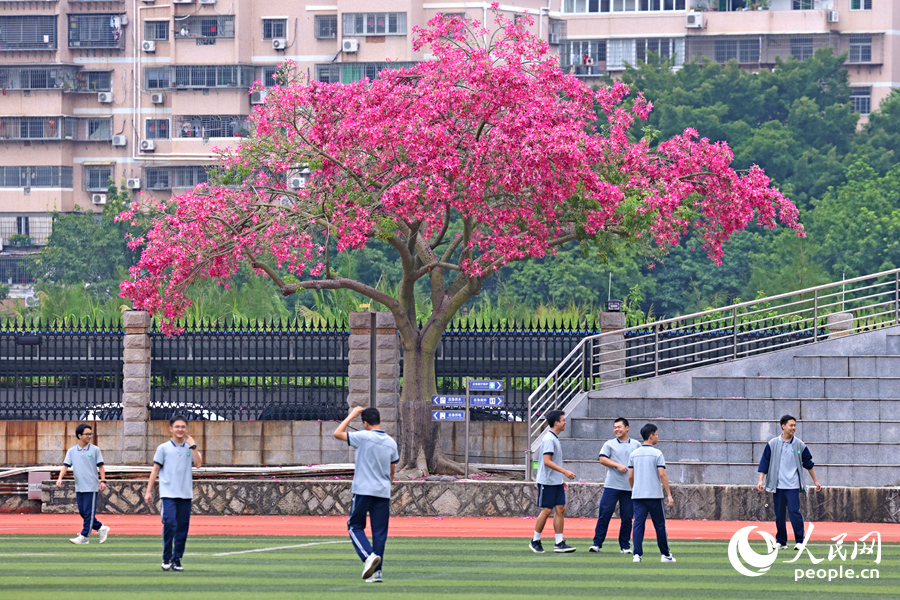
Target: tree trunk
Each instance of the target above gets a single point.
(420, 437)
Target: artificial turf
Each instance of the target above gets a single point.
(128, 568)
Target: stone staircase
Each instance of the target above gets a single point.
(714, 421)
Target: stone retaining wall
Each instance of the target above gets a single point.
(482, 498)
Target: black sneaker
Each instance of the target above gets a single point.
(176, 565)
(563, 547)
(536, 546)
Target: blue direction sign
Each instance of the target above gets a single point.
(448, 400)
(448, 415)
(486, 385)
(486, 401)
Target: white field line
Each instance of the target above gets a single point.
(280, 548)
(186, 553)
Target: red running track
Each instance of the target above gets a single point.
(511, 527)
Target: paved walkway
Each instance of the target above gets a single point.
(512, 527)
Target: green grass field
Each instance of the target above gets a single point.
(219, 567)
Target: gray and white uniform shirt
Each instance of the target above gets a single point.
(84, 463)
(175, 463)
(618, 451)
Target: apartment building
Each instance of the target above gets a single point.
(141, 91)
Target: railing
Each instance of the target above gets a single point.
(713, 336)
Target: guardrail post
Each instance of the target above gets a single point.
(896, 297)
(655, 349)
(135, 387)
(734, 333)
(816, 316)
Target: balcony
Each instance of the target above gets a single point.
(205, 30)
(63, 77)
(28, 33)
(92, 32)
(55, 128)
(209, 126)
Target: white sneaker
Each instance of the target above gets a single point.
(626, 551)
(781, 546)
(667, 558)
(371, 565)
(636, 558)
(595, 549)
(103, 531)
(798, 546)
(375, 578)
(80, 539)
(166, 566)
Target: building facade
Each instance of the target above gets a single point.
(141, 91)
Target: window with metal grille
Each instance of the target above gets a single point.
(802, 5)
(661, 47)
(156, 30)
(207, 126)
(36, 177)
(94, 81)
(97, 177)
(744, 51)
(95, 31)
(28, 32)
(326, 27)
(157, 178)
(157, 129)
(350, 72)
(99, 129)
(861, 98)
(860, 49)
(584, 55)
(556, 30)
(22, 226)
(157, 78)
(374, 23)
(274, 28)
(802, 47)
(188, 177)
(272, 76)
(210, 28)
(29, 128)
(605, 6)
(210, 76)
(16, 78)
(860, 4)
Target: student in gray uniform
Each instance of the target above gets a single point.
(172, 463)
(616, 489)
(551, 486)
(781, 474)
(85, 460)
(376, 459)
(647, 477)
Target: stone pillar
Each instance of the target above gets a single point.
(839, 324)
(136, 387)
(611, 349)
(386, 367)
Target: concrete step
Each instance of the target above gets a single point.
(741, 408)
(847, 366)
(863, 388)
(892, 343)
(810, 430)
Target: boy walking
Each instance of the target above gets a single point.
(614, 455)
(85, 460)
(376, 459)
(647, 477)
(781, 474)
(551, 486)
(172, 463)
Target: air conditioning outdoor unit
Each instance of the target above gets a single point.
(105, 97)
(833, 16)
(182, 1)
(297, 182)
(258, 97)
(694, 21)
(157, 98)
(148, 145)
(119, 140)
(207, 1)
(148, 46)
(98, 198)
(133, 184)
(279, 43)
(123, 20)
(350, 46)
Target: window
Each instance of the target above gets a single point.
(860, 4)
(188, 177)
(157, 78)
(210, 76)
(157, 129)
(95, 31)
(99, 129)
(97, 178)
(272, 76)
(374, 24)
(860, 49)
(585, 56)
(556, 31)
(350, 72)
(745, 51)
(205, 29)
(802, 5)
(22, 226)
(661, 47)
(861, 98)
(157, 178)
(274, 28)
(606, 6)
(94, 81)
(27, 32)
(802, 47)
(208, 126)
(36, 177)
(326, 27)
(156, 30)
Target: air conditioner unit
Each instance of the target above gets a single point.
(258, 97)
(157, 98)
(279, 43)
(98, 198)
(133, 184)
(207, 1)
(182, 1)
(123, 20)
(119, 140)
(105, 97)
(297, 182)
(148, 145)
(694, 21)
(148, 46)
(350, 46)
(833, 16)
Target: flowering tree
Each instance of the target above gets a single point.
(484, 155)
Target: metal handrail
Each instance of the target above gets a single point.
(602, 360)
